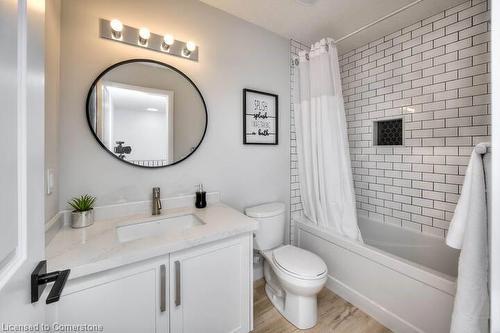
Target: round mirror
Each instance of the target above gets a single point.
(146, 113)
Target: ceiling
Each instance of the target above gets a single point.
(308, 23)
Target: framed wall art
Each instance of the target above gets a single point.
(260, 118)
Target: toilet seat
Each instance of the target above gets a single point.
(299, 263)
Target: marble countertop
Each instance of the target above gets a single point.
(97, 248)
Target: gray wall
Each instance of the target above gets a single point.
(233, 55)
(52, 114)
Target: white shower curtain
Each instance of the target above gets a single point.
(326, 183)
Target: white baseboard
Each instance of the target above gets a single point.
(382, 315)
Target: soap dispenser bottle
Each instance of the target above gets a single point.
(201, 197)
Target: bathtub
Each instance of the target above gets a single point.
(404, 279)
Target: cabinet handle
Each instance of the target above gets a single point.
(163, 288)
(177, 283)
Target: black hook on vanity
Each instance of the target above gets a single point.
(40, 278)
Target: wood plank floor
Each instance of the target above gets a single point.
(335, 315)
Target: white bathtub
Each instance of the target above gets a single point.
(404, 279)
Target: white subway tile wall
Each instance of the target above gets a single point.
(436, 75)
(295, 199)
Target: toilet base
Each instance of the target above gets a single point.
(293, 297)
(301, 311)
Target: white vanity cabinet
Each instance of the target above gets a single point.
(211, 288)
(126, 299)
(205, 288)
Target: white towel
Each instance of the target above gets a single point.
(469, 232)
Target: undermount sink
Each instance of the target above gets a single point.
(135, 231)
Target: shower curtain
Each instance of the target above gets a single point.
(325, 175)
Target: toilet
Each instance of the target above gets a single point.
(293, 275)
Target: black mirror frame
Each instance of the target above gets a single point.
(92, 87)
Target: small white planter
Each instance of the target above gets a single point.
(82, 219)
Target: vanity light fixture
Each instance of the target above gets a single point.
(168, 41)
(116, 29)
(190, 47)
(144, 35)
(141, 37)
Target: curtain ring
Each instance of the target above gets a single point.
(307, 56)
(296, 61)
(327, 47)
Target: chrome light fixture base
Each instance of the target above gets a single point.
(130, 35)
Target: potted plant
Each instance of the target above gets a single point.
(83, 211)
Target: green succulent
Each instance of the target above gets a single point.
(82, 203)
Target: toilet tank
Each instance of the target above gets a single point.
(271, 218)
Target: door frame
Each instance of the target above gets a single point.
(28, 44)
(495, 220)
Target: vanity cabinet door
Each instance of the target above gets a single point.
(210, 288)
(121, 300)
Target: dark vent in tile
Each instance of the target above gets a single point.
(389, 132)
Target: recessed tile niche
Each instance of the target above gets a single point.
(388, 132)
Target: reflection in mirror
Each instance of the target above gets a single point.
(146, 113)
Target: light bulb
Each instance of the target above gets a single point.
(191, 46)
(116, 28)
(168, 40)
(116, 25)
(144, 35)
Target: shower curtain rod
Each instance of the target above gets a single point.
(383, 18)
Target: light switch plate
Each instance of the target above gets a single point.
(49, 181)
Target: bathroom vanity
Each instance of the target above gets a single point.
(186, 270)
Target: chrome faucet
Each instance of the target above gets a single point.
(156, 201)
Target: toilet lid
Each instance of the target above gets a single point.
(299, 262)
